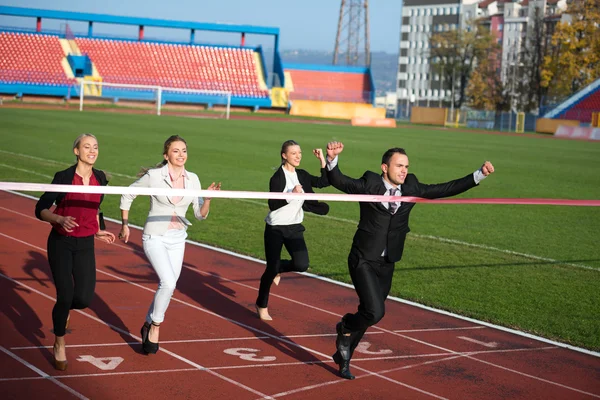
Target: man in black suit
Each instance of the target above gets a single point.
(379, 239)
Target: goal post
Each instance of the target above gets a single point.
(156, 95)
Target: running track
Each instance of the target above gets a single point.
(214, 346)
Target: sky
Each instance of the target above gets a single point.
(303, 24)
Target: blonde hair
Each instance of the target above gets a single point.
(77, 141)
(80, 138)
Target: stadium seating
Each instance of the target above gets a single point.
(330, 86)
(32, 59)
(582, 111)
(175, 65)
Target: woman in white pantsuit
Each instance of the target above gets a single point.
(165, 229)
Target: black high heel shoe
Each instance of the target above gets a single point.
(148, 346)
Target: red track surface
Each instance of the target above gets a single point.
(214, 346)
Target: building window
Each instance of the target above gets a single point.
(401, 84)
(435, 93)
(500, 27)
(434, 11)
(426, 28)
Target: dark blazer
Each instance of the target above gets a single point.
(308, 182)
(65, 177)
(378, 228)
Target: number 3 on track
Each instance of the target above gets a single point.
(248, 354)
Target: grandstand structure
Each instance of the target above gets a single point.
(581, 106)
(38, 62)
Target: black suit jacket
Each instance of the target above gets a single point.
(378, 228)
(308, 182)
(65, 177)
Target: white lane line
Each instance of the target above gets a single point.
(237, 339)
(42, 374)
(218, 316)
(310, 387)
(158, 371)
(172, 354)
(415, 235)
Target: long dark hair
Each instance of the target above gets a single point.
(284, 148)
(166, 146)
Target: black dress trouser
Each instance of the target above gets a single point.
(73, 265)
(277, 236)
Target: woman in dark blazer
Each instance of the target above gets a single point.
(75, 223)
(284, 221)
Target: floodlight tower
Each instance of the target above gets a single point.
(352, 39)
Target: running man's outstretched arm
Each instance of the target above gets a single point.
(336, 178)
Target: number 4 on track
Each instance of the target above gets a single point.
(103, 363)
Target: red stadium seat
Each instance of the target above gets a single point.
(186, 66)
(330, 86)
(32, 58)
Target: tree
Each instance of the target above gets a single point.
(485, 90)
(574, 60)
(454, 54)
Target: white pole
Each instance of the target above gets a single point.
(158, 100)
(228, 104)
(81, 96)
(452, 99)
(441, 88)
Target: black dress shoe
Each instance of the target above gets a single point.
(342, 355)
(344, 366)
(342, 342)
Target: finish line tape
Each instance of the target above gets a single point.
(232, 194)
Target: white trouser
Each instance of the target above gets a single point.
(165, 253)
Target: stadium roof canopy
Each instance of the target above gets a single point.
(115, 19)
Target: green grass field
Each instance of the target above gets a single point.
(533, 268)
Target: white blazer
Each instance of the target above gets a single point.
(161, 207)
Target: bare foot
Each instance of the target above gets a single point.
(60, 351)
(277, 279)
(263, 313)
(153, 333)
(60, 354)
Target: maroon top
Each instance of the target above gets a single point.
(81, 206)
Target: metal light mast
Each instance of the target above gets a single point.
(352, 39)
